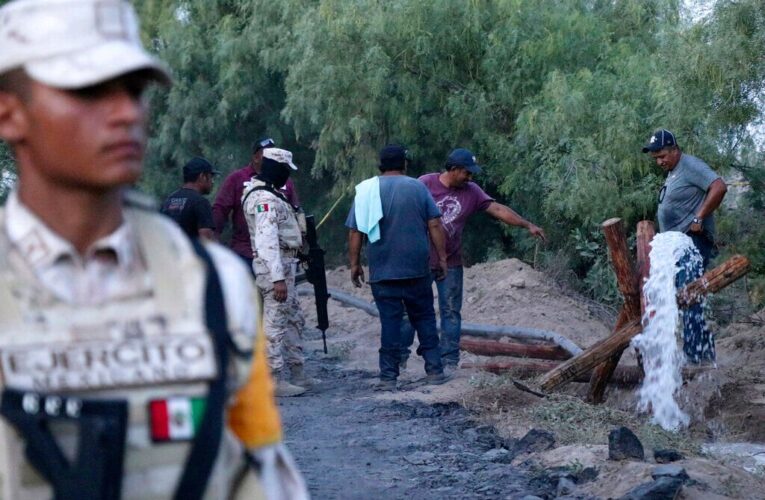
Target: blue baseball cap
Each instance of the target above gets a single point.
(660, 139)
(464, 158)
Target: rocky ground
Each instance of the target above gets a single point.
(464, 439)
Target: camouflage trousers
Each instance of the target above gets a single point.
(284, 322)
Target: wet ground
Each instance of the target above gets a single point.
(351, 444)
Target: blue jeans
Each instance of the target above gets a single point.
(698, 341)
(415, 296)
(450, 307)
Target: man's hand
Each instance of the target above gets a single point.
(537, 232)
(280, 290)
(357, 275)
(695, 227)
(440, 272)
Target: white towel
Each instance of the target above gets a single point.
(368, 208)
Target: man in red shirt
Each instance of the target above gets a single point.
(228, 202)
(458, 197)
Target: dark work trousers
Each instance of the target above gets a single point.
(450, 310)
(698, 341)
(415, 296)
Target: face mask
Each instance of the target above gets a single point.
(274, 173)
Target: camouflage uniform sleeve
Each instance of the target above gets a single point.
(262, 220)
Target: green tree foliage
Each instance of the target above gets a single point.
(555, 96)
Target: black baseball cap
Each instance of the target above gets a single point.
(660, 139)
(464, 158)
(393, 155)
(265, 142)
(196, 166)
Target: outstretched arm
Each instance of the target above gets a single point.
(511, 217)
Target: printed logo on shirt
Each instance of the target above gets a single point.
(263, 207)
(176, 204)
(450, 208)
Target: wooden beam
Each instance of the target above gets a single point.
(629, 286)
(623, 375)
(712, 281)
(496, 348)
(591, 357)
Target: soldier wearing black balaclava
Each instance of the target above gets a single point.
(276, 237)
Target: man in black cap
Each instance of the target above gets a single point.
(691, 193)
(398, 214)
(187, 206)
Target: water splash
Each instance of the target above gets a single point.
(662, 357)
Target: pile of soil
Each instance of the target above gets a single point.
(726, 404)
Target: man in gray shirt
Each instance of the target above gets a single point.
(691, 193)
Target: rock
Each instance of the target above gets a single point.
(534, 441)
(623, 444)
(518, 283)
(670, 470)
(667, 456)
(664, 488)
(587, 474)
(496, 455)
(565, 487)
(531, 497)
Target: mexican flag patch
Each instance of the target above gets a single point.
(175, 419)
(263, 207)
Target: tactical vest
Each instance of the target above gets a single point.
(153, 352)
(290, 231)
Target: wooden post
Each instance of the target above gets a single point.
(712, 281)
(629, 286)
(645, 234)
(496, 348)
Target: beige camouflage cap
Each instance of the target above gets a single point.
(72, 44)
(279, 156)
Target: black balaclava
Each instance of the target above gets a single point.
(274, 173)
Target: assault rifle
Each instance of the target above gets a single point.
(316, 276)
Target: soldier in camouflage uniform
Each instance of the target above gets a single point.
(276, 237)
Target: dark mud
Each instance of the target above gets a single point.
(351, 445)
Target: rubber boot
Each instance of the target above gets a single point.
(284, 389)
(299, 377)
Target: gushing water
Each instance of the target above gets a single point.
(662, 357)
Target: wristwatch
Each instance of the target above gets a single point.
(696, 220)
